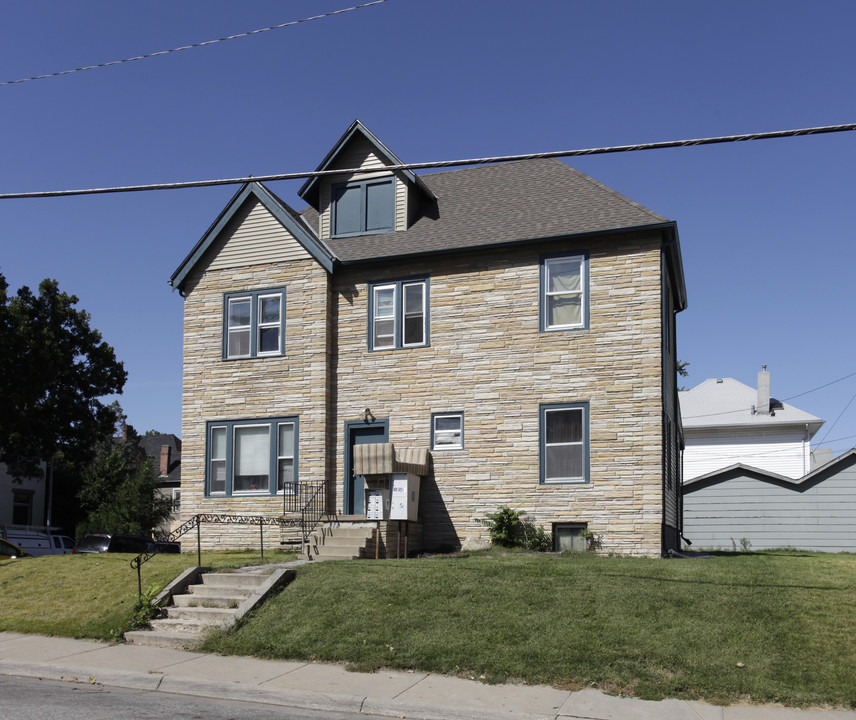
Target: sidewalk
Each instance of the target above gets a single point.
(332, 688)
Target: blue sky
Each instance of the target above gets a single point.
(766, 227)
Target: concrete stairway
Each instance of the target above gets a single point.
(340, 541)
(198, 601)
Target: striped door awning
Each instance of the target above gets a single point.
(374, 459)
(383, 459)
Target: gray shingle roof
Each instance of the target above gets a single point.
(500, 204)
(726, 402)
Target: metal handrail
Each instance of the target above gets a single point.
(196, 522)
(313, 505)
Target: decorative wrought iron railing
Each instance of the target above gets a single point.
(307, 499)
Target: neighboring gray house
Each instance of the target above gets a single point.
(745, 506)
(165, 453)
(728, 423)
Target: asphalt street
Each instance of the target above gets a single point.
(35, 699)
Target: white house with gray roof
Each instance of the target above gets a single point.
(726, 423)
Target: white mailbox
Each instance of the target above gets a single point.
(377, 504)
(404, 503)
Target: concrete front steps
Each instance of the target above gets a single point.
(198, 600)
(341, 541)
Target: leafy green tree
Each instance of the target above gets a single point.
(54, 368)
(119, 491)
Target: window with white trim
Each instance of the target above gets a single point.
(254, 324)
(398, 314)
(564, 443)
(563, 293)
(447, 431)
(363, 207)
(252, 457)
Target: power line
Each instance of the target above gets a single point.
(194, 45)
(443, 163)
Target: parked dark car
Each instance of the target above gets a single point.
(168, 547)
(112, 543)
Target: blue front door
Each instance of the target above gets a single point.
(354, 496)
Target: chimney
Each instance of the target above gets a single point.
(763, 406)
(164, 459)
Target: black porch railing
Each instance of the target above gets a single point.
(308, 499)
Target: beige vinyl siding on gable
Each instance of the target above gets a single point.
(400, 205)
(254, 237)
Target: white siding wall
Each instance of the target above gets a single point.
(785, 452)
(818, 517)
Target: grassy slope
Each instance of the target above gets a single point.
(90, 596)
(658, 628)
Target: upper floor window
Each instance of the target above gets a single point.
(398, 314)
(254, 324)
(366, 206)
(564, 443)
(563, 293)
(251, 457)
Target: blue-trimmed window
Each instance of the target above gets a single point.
(251, 457)
(564, 292)
(254, 324)
(565, 443)
(363, 207)
(447, 431)
(398, 314)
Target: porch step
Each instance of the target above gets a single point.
(198, 601)
(339, 542)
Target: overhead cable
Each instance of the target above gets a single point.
(787, 399)
(194, 45)
(443, 163)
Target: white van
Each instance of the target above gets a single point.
(39, 543)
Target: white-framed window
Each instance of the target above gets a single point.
(564, 443)
(176, 499)
(252, 457)
(285, 458)
(254, 324)
(398, 314)
(363, 207)
(564, 305)
(447, 431)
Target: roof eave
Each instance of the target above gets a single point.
(509, 243)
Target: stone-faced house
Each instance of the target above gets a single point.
(515, 322)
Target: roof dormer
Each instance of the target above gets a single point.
(366, 198)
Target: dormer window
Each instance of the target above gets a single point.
(364, 207)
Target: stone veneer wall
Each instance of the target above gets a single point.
(216, 389)
(488, 359)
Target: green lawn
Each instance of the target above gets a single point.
(768, 627)
(92, 596)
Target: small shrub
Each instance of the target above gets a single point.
(506, 526)
(538, 539)
(593, 540)
(145, 609)
(509, 528)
